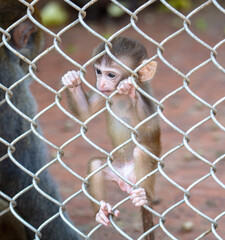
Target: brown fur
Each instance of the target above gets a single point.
(132, 111)
(123, 47)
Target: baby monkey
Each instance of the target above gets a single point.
(130, 106)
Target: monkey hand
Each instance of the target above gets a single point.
(126, 87)
(138, 197)
(103, 215)
(71, 79)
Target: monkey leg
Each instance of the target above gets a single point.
(10, 227)
(96, 183)
(97, 191)
(143, 166)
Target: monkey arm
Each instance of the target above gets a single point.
(141, 105)
(78, 102)
(82, 104)
(96, 102)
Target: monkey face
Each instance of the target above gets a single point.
(108, 77)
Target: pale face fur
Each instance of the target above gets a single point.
(108, 77)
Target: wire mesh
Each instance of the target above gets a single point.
(208, 223)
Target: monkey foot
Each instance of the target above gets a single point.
(138, 197)
(103, 215)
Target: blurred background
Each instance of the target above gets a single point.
(181, 109)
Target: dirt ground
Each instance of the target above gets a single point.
(182, 109)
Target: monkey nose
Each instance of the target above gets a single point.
(102, 84)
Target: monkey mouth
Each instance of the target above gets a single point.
(107, 93)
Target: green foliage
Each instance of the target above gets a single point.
(107, 35)
(115, 11)
(70, 49)
(180, 5)
(53, 14)
(201, 24)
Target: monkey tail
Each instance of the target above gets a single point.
(147, 219)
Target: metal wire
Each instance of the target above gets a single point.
(160, 223)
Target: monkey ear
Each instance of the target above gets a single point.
(148, 71)
(22, 34)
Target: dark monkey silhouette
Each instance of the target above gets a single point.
(30, 151)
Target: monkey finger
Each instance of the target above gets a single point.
(74, 74)
(122, 89)
(70, 75)
(63, 81)
(141, 194)
(76, 78)
(67, 76)
(109, 208)
(129, 81)
(102, 218)
(137, 192)
(120, 85)
(66, 82)
(124, 92)
(69, 82)
(73, 78)
(137, 199)
(131, 91)
(140, 203)
(105, 207)
(125, 88)
(134, 196)
(116, 213)
(102, 205)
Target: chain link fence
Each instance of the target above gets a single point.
(182, 132)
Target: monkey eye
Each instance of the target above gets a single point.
(111, 75)
(98, 71)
